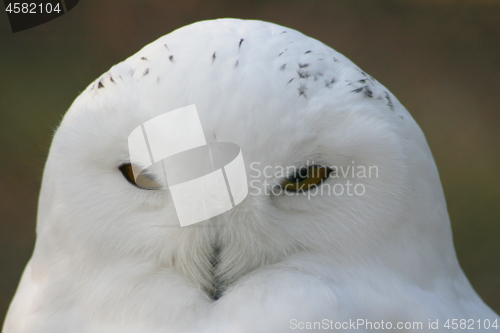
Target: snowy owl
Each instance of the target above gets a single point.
(344, 227)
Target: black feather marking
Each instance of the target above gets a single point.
(317, 76)
(329, 84)
(303, 65)
(144, 58)
(368, 93)
(303, 74)
(290, 80)
(389, 101)
(171, 58)
(111, 79)
(282, 67)
(100, 85)
(213, 57)
(236, 64)
(302, 90)
(284, 32)
(241, 41)
(166, 46)
(146, 72)
(217, 289)
(335, 59)
(309, 51)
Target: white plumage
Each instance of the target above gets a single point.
(110, 257)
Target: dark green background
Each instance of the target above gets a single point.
(440, 58)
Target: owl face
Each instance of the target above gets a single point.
(330, 155)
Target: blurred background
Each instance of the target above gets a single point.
(441, 58)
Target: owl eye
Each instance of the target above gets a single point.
(144, 181)
(306, 178)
